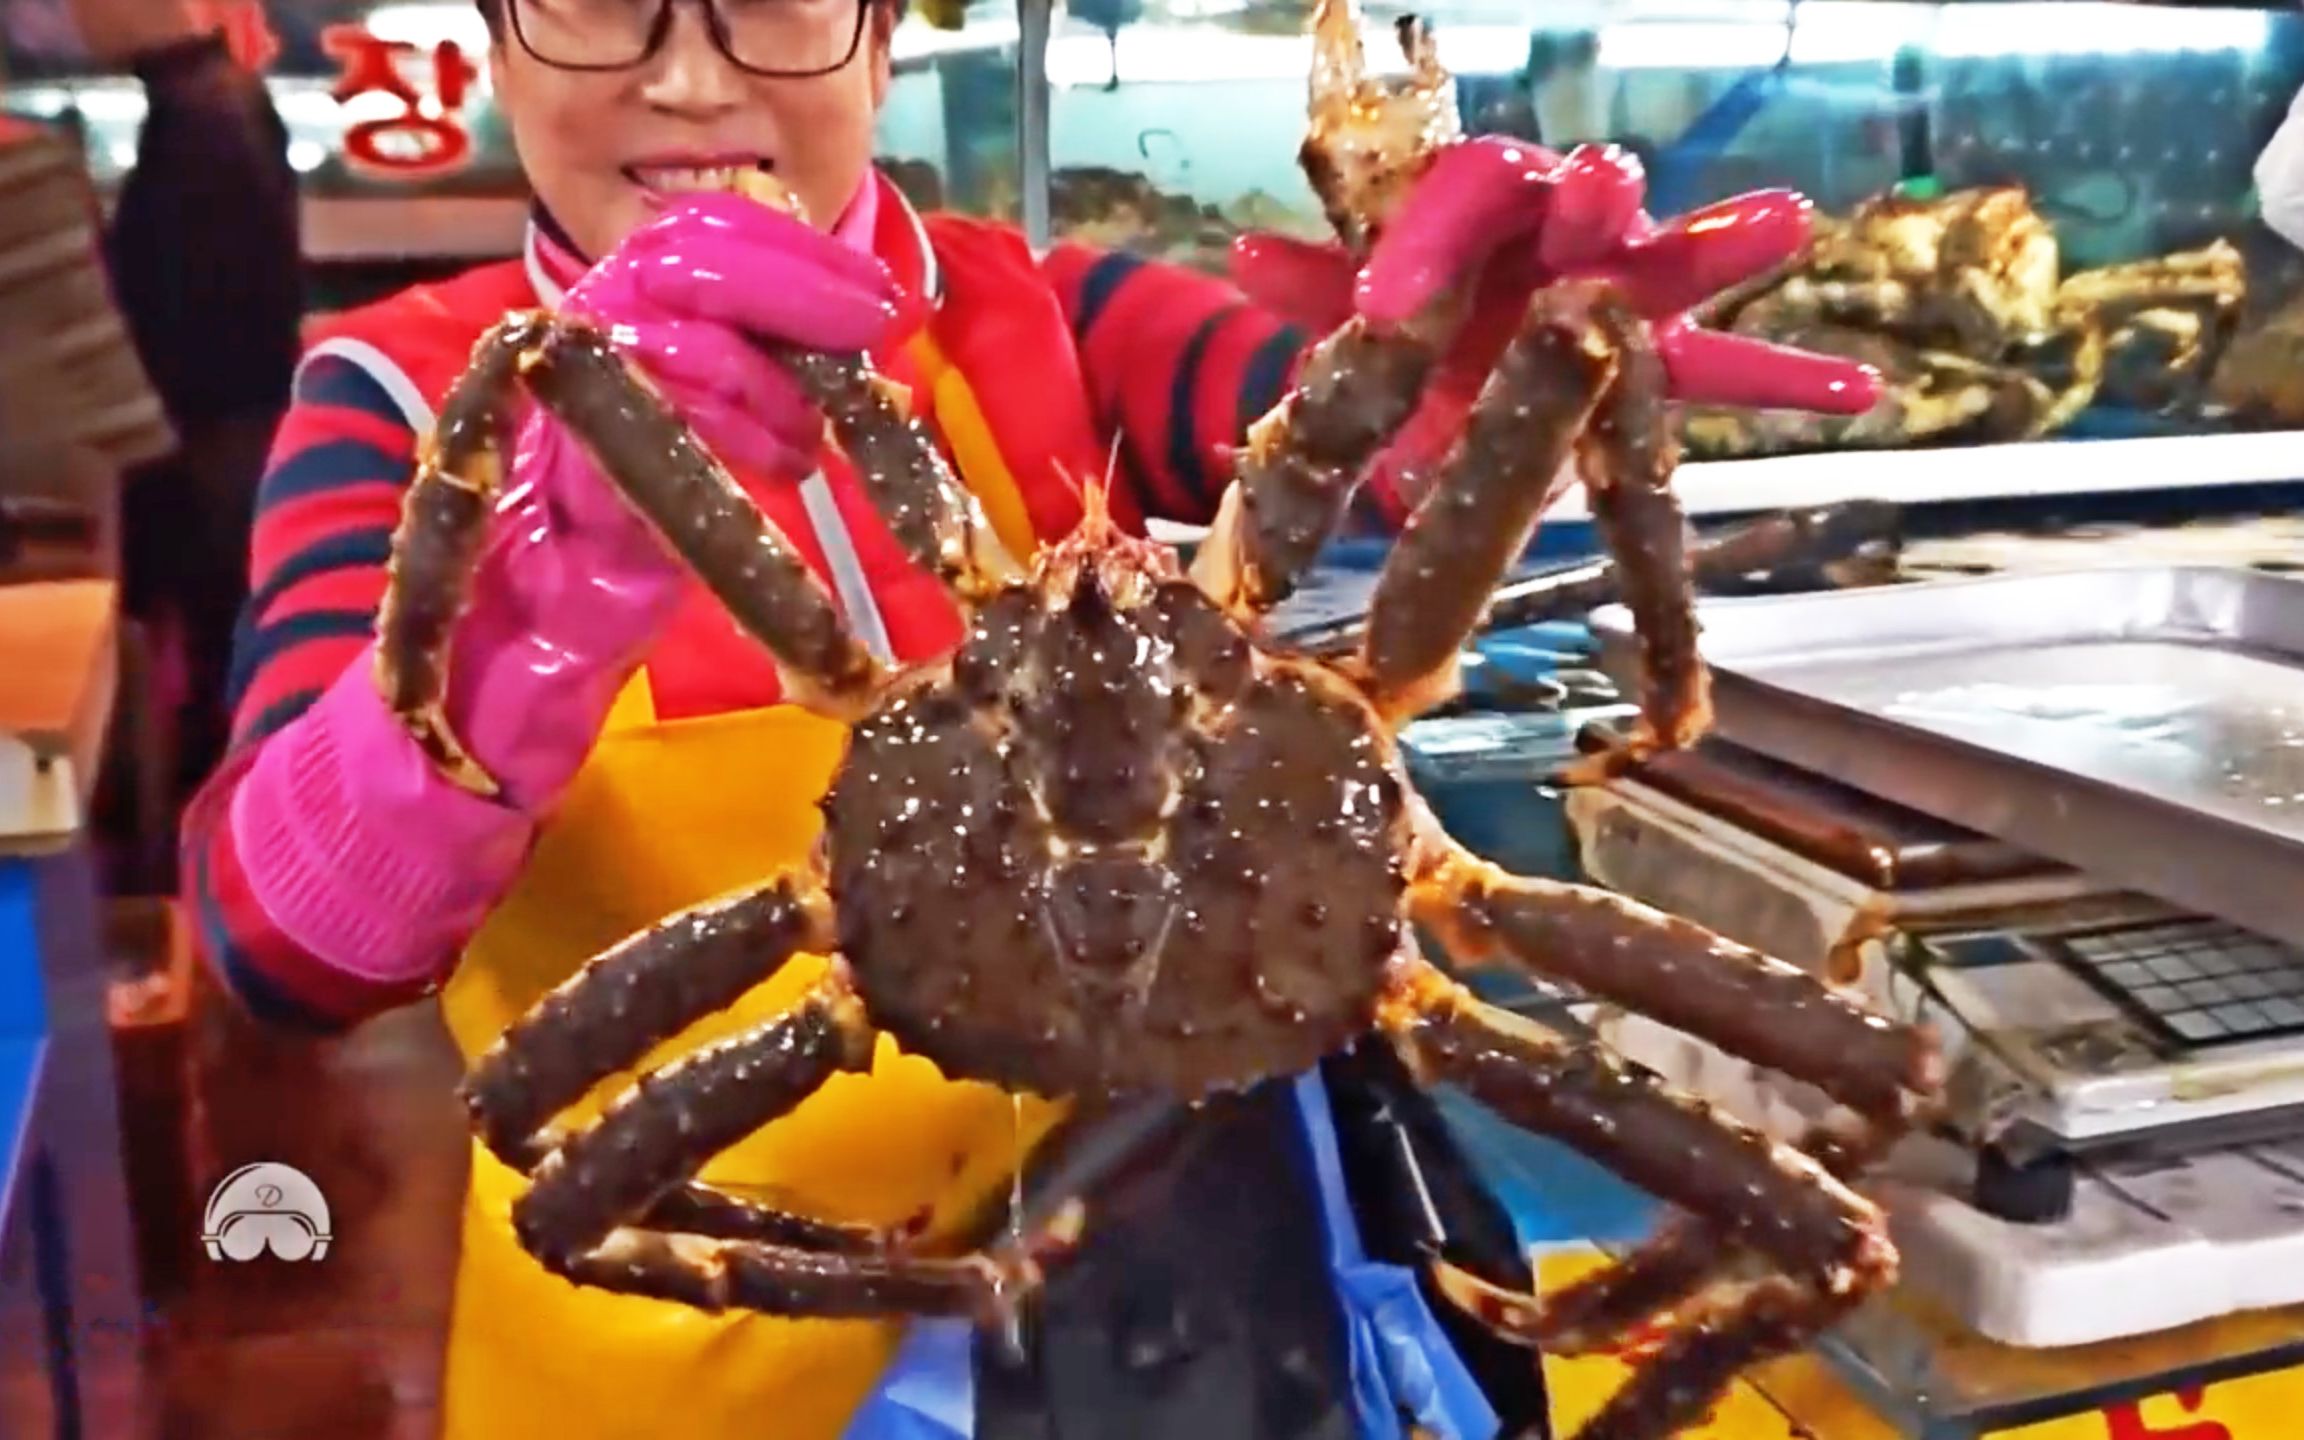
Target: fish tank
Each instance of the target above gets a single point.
(2038, 220)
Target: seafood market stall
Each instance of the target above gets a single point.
(2051, 815)
(2036, 218)
(2109, 1245)
(1986, 172)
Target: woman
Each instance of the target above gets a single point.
(645, 760)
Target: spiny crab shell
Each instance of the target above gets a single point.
(1114, 847)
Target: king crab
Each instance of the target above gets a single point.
(1117, 846)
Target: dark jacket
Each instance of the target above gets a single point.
(206, 262)
(1200, 1305)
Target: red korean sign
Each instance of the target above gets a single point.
(427, 138)
(428, 88)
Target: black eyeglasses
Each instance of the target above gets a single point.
(782, 39)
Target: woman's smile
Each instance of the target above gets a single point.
(663, 176)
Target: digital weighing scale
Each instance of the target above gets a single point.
(2056, 803)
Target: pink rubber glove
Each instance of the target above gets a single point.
(576, 586)
(360, 851)
(1508, 217)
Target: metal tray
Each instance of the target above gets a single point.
(2142, 724)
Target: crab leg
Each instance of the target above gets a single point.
(1627, 456)
(1751, 1005)
(1582, 379)
(630, 999)
(934, 517)
(1598, 1310)
(443, 522)
(625, 1002)
(1367, 140)
(1303, 463)
(1713, 1337)
(585, 1215)
(1671, 1145)
(656, 462)
(1754, 1007)
(1729, 1333)
(660, 466)
(1830, 1243)
(665, 1128)
(1481, 510)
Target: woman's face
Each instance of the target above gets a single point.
(605, 150)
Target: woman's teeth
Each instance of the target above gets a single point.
(670, 179)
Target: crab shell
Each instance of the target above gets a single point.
(1113, 848)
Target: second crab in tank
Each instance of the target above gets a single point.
(1961, 303)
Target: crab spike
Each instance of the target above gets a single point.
(1368, 138)
(1100, 547)
(1095, 504)
(1339, 65)
(1096, 507)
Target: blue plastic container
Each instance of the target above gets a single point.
(1484, 773)
(1556, 542)
(1552, 1194)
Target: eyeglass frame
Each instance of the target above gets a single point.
(660, 30)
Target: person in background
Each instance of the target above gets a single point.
(647, 753)
(206, 261)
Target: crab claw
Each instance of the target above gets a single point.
(1339, 65)
(1367, 139)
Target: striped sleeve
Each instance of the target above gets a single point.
(1178, 366)
(323, 533)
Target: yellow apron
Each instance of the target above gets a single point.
(664, 815)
